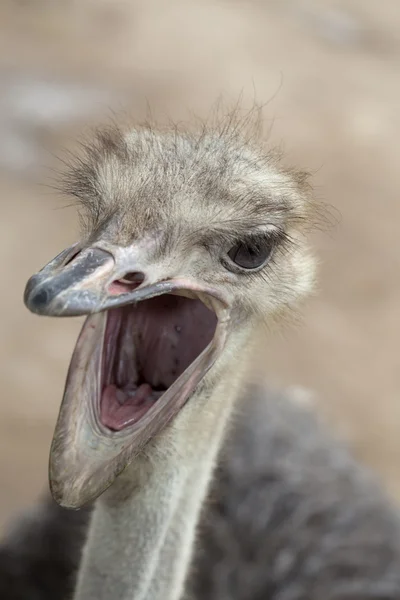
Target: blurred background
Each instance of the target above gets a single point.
(329, 73)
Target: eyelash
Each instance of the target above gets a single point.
(275, 238)
(277, 235)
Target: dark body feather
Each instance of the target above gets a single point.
(290, 516)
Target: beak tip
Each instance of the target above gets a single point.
(65, 290)
(35, 297)
(37, 302)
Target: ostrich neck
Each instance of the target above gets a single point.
(143, 528)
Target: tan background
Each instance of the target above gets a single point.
(331, 73)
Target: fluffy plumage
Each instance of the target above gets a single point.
(219, 170)
(196, 193)
(290, 516)
(40, 553)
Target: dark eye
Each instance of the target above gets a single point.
(251, 254)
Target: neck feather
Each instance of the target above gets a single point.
(143, 528)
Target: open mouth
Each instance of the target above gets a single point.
(140, 356)
(146, 348)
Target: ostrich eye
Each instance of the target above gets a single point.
(251, 254)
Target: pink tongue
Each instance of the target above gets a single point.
(120, 409)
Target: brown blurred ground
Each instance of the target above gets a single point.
(331, 71)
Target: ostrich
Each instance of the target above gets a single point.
(202, 486)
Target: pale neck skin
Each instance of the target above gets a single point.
(143, 529)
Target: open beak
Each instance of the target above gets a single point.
(141, 353)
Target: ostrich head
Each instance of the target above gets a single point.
(190, 243)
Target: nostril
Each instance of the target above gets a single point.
(127, 283)
(132, 278)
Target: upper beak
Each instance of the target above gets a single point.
(77, 283)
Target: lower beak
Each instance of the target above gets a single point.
(86, 457)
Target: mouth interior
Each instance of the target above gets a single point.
(147, 346)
